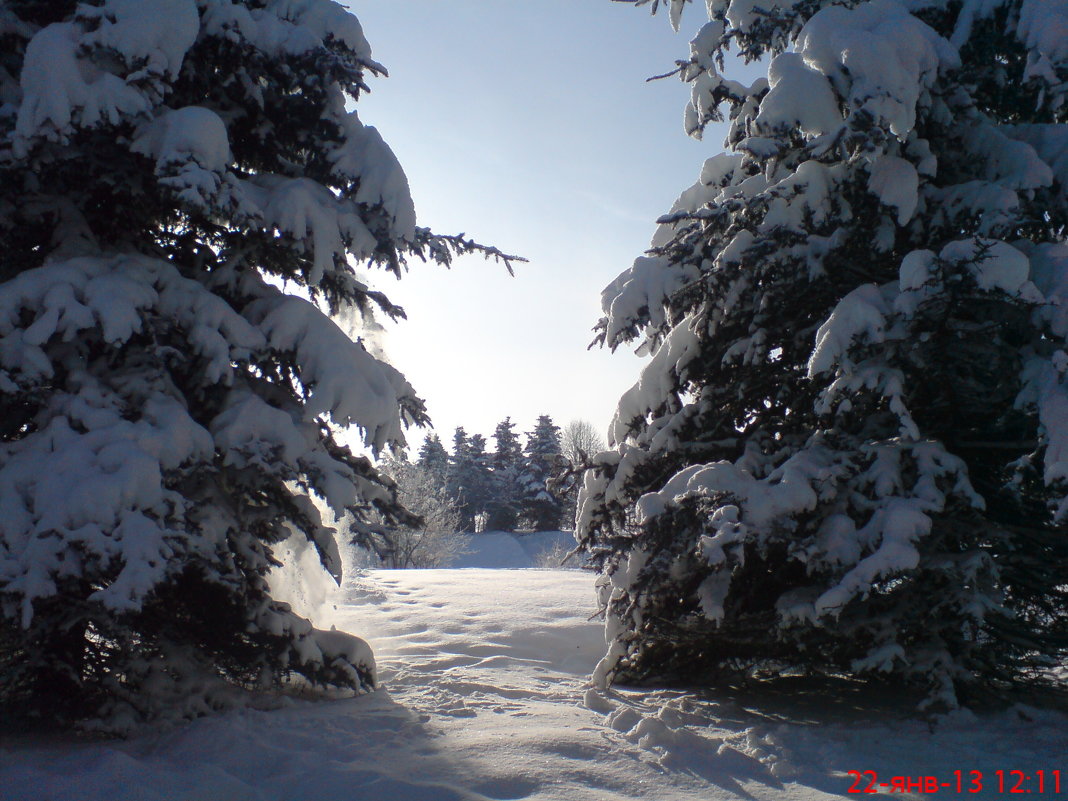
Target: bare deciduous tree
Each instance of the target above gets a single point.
(578, 438)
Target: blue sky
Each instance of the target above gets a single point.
(529, 126)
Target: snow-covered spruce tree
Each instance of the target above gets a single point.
(434, 458)
(479, 481)
(506, 464)
(166, 409)
(848, 450)
(458, 476)
(541, 506)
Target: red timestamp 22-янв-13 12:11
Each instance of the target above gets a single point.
(960, 781)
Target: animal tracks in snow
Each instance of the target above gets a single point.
(476, 663)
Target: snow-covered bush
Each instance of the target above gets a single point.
(849, 447)
(557, 556)
(182, 187)
(435, 540)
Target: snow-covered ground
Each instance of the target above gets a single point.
(484, 696)
(503, 549)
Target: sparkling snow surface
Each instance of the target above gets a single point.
(485, 696)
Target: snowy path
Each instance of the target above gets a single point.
(484, 697)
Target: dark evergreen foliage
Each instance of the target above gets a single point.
(507, 463)
(542, 502)
(434, 458)
(167, 413)
(848, 449)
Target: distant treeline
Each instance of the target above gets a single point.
(515, 486)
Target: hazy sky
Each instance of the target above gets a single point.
(529, 126)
